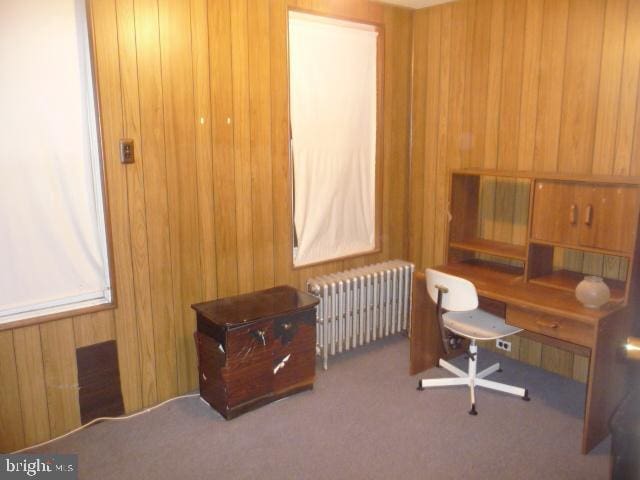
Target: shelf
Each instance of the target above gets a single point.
(580, 248)
(568, 281)
(490, 247)
(519, 174)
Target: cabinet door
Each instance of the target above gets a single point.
(555, 213)
(609, 216)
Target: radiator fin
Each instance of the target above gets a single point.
(359, 306)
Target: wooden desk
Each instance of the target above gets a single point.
(552, 315)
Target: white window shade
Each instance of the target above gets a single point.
(52, 234)
(333, 125)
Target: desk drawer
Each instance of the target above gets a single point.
(552, 326)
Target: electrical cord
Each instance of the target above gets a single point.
(100, 419)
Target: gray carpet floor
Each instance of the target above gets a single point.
(363, 420)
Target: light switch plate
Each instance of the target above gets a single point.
(126, 150)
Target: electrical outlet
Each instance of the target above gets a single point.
(503, 345)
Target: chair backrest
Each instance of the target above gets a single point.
(461, 296)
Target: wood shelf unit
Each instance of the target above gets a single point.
(584, 213)
(492, 247)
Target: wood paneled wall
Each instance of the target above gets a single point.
(204, 212)
(543, 85)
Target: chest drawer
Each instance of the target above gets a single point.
(557, 327)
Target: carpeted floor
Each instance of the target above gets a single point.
(363, 420)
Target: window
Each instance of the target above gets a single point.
(333, 100)
(52, 231)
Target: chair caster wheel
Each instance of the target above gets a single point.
(526, 395)
(420, 387)
(473, 410)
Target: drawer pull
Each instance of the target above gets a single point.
(259, 335)
(589, 215)
(544, 324)
(573, 214)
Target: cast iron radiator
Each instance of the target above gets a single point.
(361, 305)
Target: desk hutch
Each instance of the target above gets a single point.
(526, 284)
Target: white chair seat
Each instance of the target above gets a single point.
(478, 324)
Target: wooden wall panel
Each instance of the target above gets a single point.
(61, 375)
(557, 82)
(12, 434)
(153, 152)
(205, 211)
(182, 185)
(108, 78)
(33, 395)
(258, 25)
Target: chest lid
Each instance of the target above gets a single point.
(241, 310)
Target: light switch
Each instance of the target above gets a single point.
(126, 150)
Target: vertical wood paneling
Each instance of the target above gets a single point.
(477, 118)
(511, 87)
(156, 199)
(181, 165)
(430, 133)
(33, 394)
(242, 142)
(442, 207)
(281, 179)
(203, 151)
(224, 175)
(397, 68)
(11, 428)
(628, 93)
(609, 87)
(496, 54)
(457, 83)
(136, 198)
(61, 375)
(530, 84)
(105, 31)
(581, 76)
(258, 22)
(419, 94)
(554, 40)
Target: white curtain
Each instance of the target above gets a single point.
(52, 238)
(333, 120)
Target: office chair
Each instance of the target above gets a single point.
(463, 318)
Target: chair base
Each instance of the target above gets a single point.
(472, 379)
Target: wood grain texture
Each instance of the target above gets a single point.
(94, 328)
(11, 426)
(108, 73)
(205, 211)
(149, 64)
(61, 375)
(182, 186)
(33, 395)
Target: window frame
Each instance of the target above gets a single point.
(379, 157)
(112, 304)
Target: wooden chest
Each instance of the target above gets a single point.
(255, 348)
